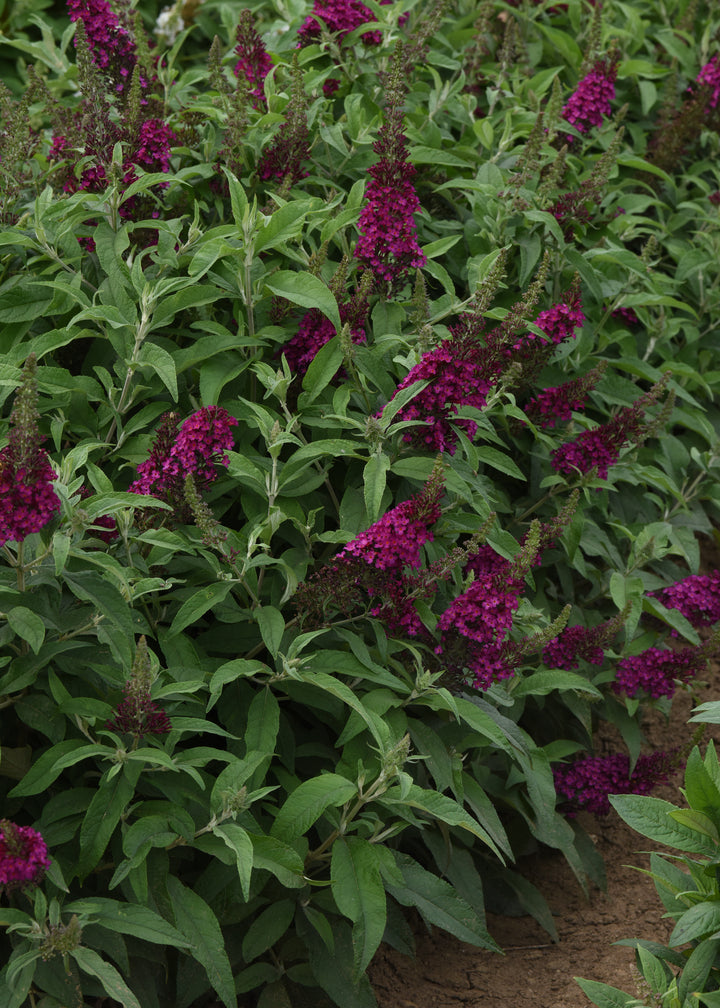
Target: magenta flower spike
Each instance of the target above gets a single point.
(590, 102)
(26, 475)
(587, 782)
(23, 856)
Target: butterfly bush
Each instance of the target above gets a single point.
(137, 714)
(193, 448)
(656, 671)
(710, 76)
(475, 628)
(388, 244)
(587, 782)
(697, 597)
(111, 44)
(599, 448)
(557, 403)
(339, 17)
(254, 63)
(590, 102)
(26, 475)
(23, 856)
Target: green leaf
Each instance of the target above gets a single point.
(542, 683)
(240, 844)
(27, 625)
(268, 928)
(129, 918)
(374, 481)
(113, 984)
(651, 817)
(101, 818)
(603, 995)
(360, 895)
(438, 903)
(697, 969)
(498, 460)
(52, 763)
(307, 803)
(306, 290)
(440, 807)
(231, 671)
(323, 368)
(277, 857)
(285, 223)
(195, 919)
(699, 922)
(162, 364)
(198, 604)
(272, 627)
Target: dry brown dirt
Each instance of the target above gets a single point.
(533, 972)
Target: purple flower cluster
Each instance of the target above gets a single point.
(191, 449)
(339, 17)
(138, 715)
(600, 447)
(387, 243)
(697, 597)
(457, 375)
(26, 475)
(656, 671)
(23, 856)
(112, 46)
(557, 324)
(590, 102)
(253, 62)
(573, 644)
(149, 149)
(626, 315)
(710, 76)
(558, 402)
(586, 783)
(313, 333)
(394, 541)
(474, 629)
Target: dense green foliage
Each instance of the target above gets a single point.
(308, 744)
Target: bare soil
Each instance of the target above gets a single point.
(534, 972)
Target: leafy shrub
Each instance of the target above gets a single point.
(376, 397)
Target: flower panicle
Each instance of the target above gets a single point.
(284, 158)
(137, 714)
(254, 63)
(26, 474)
(557, 403)
(587, 782)
(23, 856)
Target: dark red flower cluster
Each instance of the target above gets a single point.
(339, 18)
(191, 449)
(394, 541)
(26, 475)
(459, 372)
(388, 244)
(697, 597)
(313, 333)
(112, 46)
(573, 644)
(657, 671)
(586, 783)
(474, 629)
(557, 403)
(710, 76)
(590, 102)
(626, 315)
(600, 447)
(137, 714)
(253, 63)
(23, 856)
